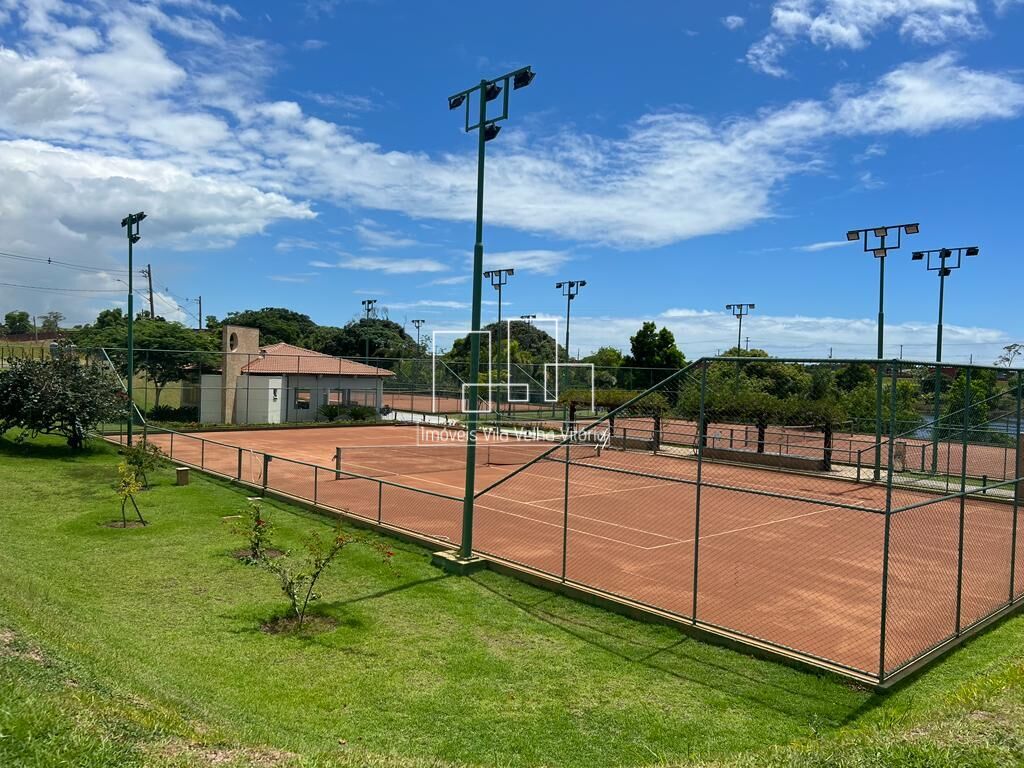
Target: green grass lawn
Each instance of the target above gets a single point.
(144, 647)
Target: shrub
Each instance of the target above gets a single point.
(298, 580)
(127, 486)
(338, 412)
(184, 413)
(143, 457)
(58, 394)
(257, 529)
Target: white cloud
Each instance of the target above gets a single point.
(454, 280)
(542, 262)
(851, 24)
(702, 332)
(313, 44)
(823, 246)
(733, 22)
(1002, 6)
(301, 277)
(375, 237)
(212, 159)
(382, 264)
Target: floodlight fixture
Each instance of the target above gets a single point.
(972, 251)
(454, 102)
(852, 235)
(739, 311)
(917, 255)
(492, 92)
(523, 78)
(912, 229)
(491, 132)
(881, 231)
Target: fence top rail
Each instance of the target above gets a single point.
(275, 457)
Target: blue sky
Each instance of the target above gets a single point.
(677, 156)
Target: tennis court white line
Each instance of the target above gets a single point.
(750, 527)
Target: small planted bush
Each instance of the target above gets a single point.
(298, 578)
(128, 486)
(143, 457)
(337, 412)
(257, 529)
(185, 413)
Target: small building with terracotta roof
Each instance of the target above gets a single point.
(282, 383)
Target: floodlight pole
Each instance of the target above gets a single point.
(418, 324)
(570, 289)
(739, 311)
(499, 278)
(131, 224)
(944, 267)
(880, 253)
(486, 129)
(368, 305)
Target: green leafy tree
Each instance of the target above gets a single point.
(854, 375)
(51, 321)
(59, 394)
(606, 361)
(653, 348)
(17, 321)
(275, 324)
(143, 457)
(374, 336)
(958, 405)
(860, 405)
(166, 352)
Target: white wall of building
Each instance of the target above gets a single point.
(306, 394)
(259, 399)
(210, 401)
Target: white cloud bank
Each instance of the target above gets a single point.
(99, 116)
(851, 24)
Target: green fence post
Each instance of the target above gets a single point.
(266, 471)
(963, 500)
(884, 614)
(316, 477)
(1017, 490)
(239, 463)
(380, 501)
(565, 514)
(700, 468)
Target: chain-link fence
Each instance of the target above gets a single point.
(859, 515)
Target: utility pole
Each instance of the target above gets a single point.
(880, 252)
(131, 224)
(739, 311)
(35, 327)
(199, 301)
(748, 344)
(499, 278)
(487, 128)
(148, 272)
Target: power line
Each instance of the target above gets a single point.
(59, 263)
(52, 289)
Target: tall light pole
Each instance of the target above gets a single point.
(368, 305)
(739, 311)
(418, 324)
(570, 289)
(499, 278)
(879, 252)
(944, 266)
(487, 128)
(131, 224)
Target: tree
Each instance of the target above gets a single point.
(606, 362)
(51, 321)
(167, 352)
(275, 324)
(373, 336)
(854, 375)
(1010, 353)
(651, 348)
(58, 394)
(212, 323)
(17, 321)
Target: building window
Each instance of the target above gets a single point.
(303, 397)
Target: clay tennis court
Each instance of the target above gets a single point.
(792, 559)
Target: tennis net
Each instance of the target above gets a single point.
(385, 460)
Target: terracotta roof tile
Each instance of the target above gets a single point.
(287, 358)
